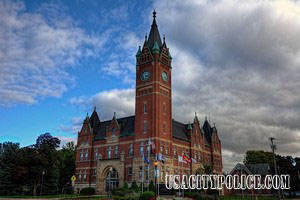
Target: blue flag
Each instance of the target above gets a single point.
(146, 160)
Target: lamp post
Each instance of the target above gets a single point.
(43, 173)
(109, 180)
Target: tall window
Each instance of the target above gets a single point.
(145, 107)
(164, 108)
(141, 174)
(94, 172)
(164, 128)
(84, 176)
(116, 151)
(145, 126)
(96, 153)
(167, 148)
(81, 155)
(113, 131)
(175, 152)
(86, 154)
(131, 150)
(162, 147)
(146, 174)
(142, 149)
(109, 152)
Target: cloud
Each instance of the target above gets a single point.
(36, 48)
(73, 126)
(235, 61)
(64, 140)
(120, 101)
(239, 63)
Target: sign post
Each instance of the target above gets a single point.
(73, 179)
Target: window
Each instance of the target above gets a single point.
(167, 148)
(79, 178)
(109, 153)
(141, 174)
(196, 131)
(146, 174)
(182, 152)
(142, 149)
(145, 126)
(164, 108)
(94, 172)
(86, 155)
(96, 153)
(164, 128)
(162, 172)
(81, 155)
(145, 107)
(162, 147)
(113, 131)
(175, 152)
(131, 150)
(116, 151)
(84, 176)
(129, 171)
(148, 148)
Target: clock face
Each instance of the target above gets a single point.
(145, 75)
(164, 76)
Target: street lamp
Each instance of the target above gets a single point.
(109, 180)
(43, 173)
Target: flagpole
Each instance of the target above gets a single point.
(148, 163)
(143, 173)
(182, 177)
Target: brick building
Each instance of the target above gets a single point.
(112, 151)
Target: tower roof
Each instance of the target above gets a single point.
(154, 35)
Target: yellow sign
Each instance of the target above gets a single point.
(73, 178)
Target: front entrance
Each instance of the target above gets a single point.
(112, 179)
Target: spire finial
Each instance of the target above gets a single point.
(95, 108)
(154, 14)
(164, 38)
(146, 37)
(114, 114)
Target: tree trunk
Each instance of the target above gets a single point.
(35, 186)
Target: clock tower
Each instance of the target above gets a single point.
(153, 103)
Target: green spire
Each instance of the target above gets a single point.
(138, 53)
(189, 126)
(155, 48)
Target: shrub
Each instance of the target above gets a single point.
(134, 186)
(151, 186)
(147, 195)
(87, 191)
(194, 195)
(125, 186)
(120, 192)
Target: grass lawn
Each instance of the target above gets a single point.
(61, 196)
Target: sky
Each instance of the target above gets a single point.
(236, 62)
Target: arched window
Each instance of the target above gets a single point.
(112, 179)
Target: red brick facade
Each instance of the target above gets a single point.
(119, 143)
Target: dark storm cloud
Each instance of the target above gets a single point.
(238, 62)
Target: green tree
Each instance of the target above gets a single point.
(9, 160)
(67, 156)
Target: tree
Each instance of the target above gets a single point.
(46, 147)
(9, 155)
(67, 156)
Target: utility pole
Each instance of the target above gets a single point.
(273, 147)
